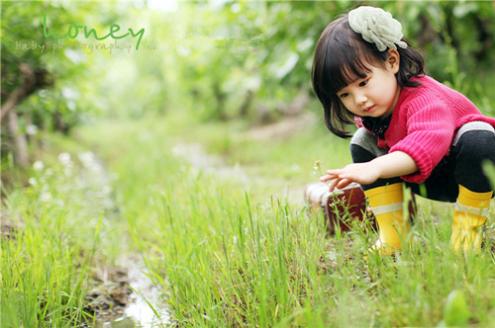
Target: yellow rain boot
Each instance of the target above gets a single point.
(471, 212)
(386, 203)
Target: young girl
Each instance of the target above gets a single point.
(413, 130)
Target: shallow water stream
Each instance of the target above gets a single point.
(124, 295)
(144, 305)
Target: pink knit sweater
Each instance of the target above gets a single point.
(424, 123)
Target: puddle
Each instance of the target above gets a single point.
(145, 293)
(144, 306)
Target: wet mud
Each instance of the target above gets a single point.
(122, 295)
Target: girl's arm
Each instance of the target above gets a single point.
(394, 164)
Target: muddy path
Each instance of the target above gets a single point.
(121, 295)
(124, 295)
(195, 155)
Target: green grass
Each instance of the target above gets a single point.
(227, 251)
(233, 254)
(59, 225)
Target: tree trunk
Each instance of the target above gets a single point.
(246, 104)
(20, 148)
(220, 99)
(484, 37)
(32, 80)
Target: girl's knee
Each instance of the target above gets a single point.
(477, 146)
(473, 148)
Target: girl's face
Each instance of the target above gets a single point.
(377, 93)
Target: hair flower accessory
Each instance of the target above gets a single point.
(377, 26)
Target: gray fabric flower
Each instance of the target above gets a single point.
(377, 26)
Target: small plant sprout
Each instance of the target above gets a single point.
(317, 168)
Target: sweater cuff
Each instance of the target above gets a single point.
(423, 162)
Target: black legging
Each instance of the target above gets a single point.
(462, 165)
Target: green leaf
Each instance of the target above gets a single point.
(489, 170)
(456, 312)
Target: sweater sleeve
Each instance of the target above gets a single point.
(430, 129)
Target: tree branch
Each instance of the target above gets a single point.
(31, 81)
(20, 92)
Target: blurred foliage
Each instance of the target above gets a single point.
(229, 50)
(55, 75)
(47, 73)
(23, 42)
(219, 59)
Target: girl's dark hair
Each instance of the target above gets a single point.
(341, 57)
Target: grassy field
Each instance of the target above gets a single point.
(56, 230)
(223, 240)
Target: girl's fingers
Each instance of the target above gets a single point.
(332, 185)
(343, 183)
(334, 172)
(337, 179)
(327, 177)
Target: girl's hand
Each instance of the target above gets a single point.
(363, 173)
